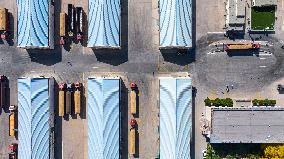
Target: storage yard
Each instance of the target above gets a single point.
(124, 79)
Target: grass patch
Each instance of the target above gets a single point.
(263, 18)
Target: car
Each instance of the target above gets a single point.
(204, 154)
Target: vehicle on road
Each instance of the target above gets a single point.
(3, 90)
(62, 30)
(79, 23)
(132, 137)
(204, 154)
(61, 99)
(12, 124)
(68, 98)
(77, 98)
(14, 148)
(242, 46)
(280, 87)
(4, 23)
(71, 20)
(133, 99)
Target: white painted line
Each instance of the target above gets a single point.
(262, 58)
(95, 67)
(262, 66)
(265, 54)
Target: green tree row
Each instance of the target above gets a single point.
(219, 102)
(265, 102)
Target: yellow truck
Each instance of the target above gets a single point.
(62, 28)
(61, 99)
(242, 46)
(12, 124)
(133, 102)
(132, 140)
(77, 98)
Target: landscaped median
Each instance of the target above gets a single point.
(219, 102)
(265, 102)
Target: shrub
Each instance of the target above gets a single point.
(255, 102)
(207, 102)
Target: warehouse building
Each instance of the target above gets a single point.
(36, 118)
(35, 24)
(103, 118)
(104, 24)
(175, 118)
(175, 24)
(247, 125)
(235, 15)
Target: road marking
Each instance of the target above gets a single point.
(262, 66)
(265, 54)
(95, 67)
(262, 58)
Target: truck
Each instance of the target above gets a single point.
(12, 124)
(133, 102)
(61, 99)
(77, 98)
(14, 151)
(79, 23)
(71, 20)
(242, 46)
(132, 137)
(133, 99)
(4, 22)
(3, 90)
(62, 30)
(68, 98)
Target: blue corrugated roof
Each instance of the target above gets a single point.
(33, 102)
(175, 23)
(103, 118)
(175, 118)
(104, 23)
(33, 23)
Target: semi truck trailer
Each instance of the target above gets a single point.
(68, 99)
(4, 22)
(242, 46)
(62, 27)
(77, 98)
(79, 23)
(61, 99)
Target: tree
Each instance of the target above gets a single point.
(273, 102)
(217, 102)
(207, 102)
(274, 151)
(255, 102)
